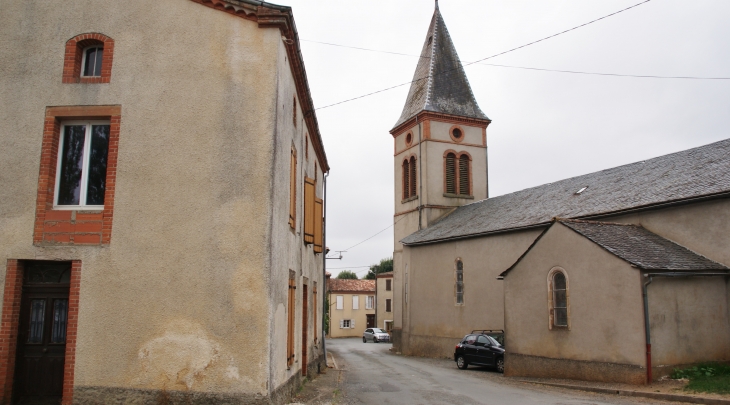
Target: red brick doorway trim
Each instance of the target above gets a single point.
(10, 324)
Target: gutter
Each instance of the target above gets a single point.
(645, 294)
(708, 197)
(324, 265)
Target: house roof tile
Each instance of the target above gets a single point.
(350, 285)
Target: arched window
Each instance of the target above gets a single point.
(451, 173)
(464, 188)
(406, 180)
(412, 176)
(558, 298)
(459, 288)
(88, 59)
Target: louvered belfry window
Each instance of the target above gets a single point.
(464, 175)
(412, 175)
(560, 300)
(406, 180)
(451, 173)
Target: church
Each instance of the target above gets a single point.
(582, 274)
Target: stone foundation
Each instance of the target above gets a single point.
(520, 365)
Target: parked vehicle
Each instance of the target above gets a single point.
(479, 349)
(376, 335)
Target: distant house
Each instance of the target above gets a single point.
(352, 306)
(574, 307)
(384, 301)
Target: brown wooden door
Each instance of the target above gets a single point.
(305, 344)
(41, 346)
(371, 321)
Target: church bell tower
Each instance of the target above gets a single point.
(440, 151)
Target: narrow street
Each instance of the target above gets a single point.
(373, 375)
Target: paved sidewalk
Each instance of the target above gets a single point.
(669, 390)
(324, 389)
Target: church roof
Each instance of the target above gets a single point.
(701, 172)
(641, 248)
(635, 245)
(440, 83)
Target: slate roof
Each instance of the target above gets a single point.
(440, 83)
(350, 285)
(684, 175)
(641, 248)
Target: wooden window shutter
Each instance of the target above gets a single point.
(406, 177)
(412, 175)
(450, 173)
(464, 175)
(318, 224)
(308, 210)
(293, 190)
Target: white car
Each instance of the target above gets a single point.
(376, 335)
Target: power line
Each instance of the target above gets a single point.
(489, 57)
(360, 243)
(538, 69)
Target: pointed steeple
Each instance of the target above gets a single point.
(440, 83)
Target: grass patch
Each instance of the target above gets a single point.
(706, 377)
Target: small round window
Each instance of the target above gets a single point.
(409, 139)
(457, 134)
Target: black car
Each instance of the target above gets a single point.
(479, 348)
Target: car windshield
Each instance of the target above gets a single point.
(376, 330)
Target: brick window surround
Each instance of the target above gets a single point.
(74, 227)
(74, 55)
(10, 324)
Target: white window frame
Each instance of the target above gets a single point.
(340, 302)
(83, 60)
(347, 324)
(84, 172)
(370, 302)
(355, 302)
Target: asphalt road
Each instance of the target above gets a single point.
(373, 375)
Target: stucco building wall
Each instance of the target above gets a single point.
(177, 300)
(436, 322)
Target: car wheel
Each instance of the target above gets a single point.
(375, 340)
(500, 364)
(461, 363)
(364, 340)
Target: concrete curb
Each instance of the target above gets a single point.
(644, 394)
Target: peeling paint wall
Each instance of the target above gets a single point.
(188, 296)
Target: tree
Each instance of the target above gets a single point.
(384, 266)
(347, 274)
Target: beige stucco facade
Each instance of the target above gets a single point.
(605, 340)
(355, 317)
(384, 307)
(190, 295)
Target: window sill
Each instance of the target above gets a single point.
(468, 197)
(409, 199)
(84, 208)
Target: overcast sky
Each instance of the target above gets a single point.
(546, 126)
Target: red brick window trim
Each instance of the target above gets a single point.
(74, 56)
(10, 325)
(74, 226)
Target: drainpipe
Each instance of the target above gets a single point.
(650, 277)
(324, 264)
(648, 334)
